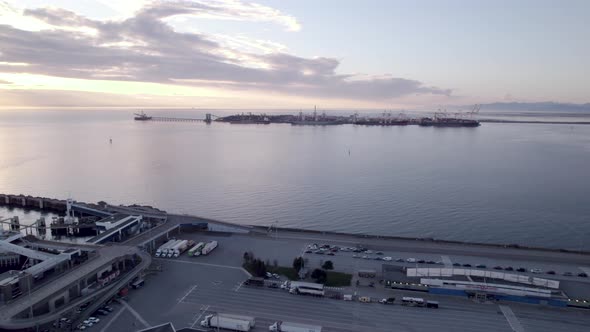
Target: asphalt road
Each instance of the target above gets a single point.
(188, 288)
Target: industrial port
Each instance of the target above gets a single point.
(440, 118)
(151, 270)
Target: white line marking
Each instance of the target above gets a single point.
(202, 313)
(247, 273)
(239, 286)
(585, 269)
(106, 327)
(135, 313)
(511, 318)
(187, 293)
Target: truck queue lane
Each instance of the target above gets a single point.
(336, 315)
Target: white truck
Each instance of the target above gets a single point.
(179, 248)
(209, 247)
(196, 250)
(293, 327)
(168, 250)
(172, 250)
(229, 322)
(164, 247)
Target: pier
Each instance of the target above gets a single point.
(141, 116)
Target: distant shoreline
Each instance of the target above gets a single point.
(536, 122)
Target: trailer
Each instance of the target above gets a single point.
(168, 250)
(164, 247)
(209, 247)
(196, 250)
(306, 288)
(228, 322)
(259, 282)
(293, 327)
(179, 248)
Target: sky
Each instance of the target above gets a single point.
(282, 54)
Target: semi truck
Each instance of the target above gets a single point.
(293, 327)
(209, 247)
(167, 252)
(196, 250)
(179, 248)
(164, 247)
(228, 322)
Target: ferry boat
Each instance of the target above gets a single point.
(141, 116)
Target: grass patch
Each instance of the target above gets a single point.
(338, 279)
(288, 272)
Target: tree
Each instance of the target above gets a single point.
(259, 268)
(328, 265)
(247, 257)
(319, 275)
(298, 263)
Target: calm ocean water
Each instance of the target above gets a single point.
(506, 183)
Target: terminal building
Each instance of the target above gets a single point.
(482, 285)
(59, 277)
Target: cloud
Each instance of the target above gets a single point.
(146, 48)
(224, 9)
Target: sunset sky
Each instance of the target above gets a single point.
(292, 54)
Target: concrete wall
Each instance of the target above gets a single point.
(59, 300)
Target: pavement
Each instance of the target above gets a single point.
(188, 288)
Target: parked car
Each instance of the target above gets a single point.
(466, 265)
(551, 272)
(356, 256)
(583, 275)
(421, 261)
(330, 254)
(378, 253)
(521, 269)
(308, 251)
(456, 264)
(497, 267)
(411, 260)
(399, 260)
(387, 258)
(481, 266)
(509, 268)
(430, 262)
(536, 271)
(568, 274)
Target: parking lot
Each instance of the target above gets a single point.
(189, 288)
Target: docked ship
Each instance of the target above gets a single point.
(141, 116)
(380, 122)
(448, 122)
(385, 120)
